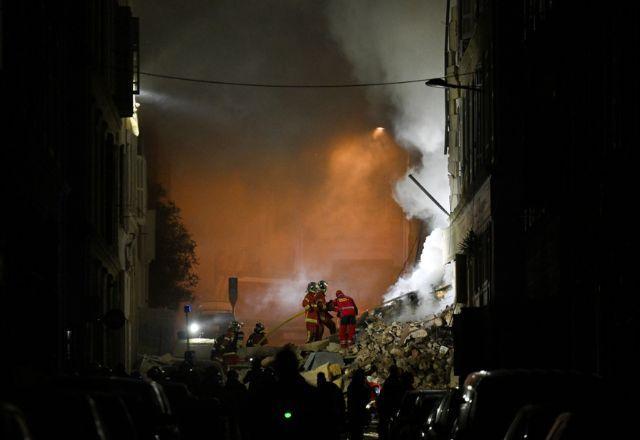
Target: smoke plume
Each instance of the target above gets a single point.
(394, 41)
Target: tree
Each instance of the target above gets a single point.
(172, 275)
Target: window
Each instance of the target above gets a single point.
(466, 21)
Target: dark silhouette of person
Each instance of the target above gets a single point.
(236, 399)
(358, 396)
(210, 413)
(407, 382)
(191, 377)
(254, 373)
(389, 400)
(287, 408)
(233, 384)
(212, 384)
(332, 402)
(261, 384)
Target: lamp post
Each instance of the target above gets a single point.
(187, 310)
(433, 199)
(441, 83)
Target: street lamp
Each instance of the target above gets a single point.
(378, 132)
(194, 328)
(441, 83)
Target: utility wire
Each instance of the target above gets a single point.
(293, 86)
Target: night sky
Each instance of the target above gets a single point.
(292, 185)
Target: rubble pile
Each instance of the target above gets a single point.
(424, 348)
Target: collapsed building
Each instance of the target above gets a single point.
(423, 347)
(396, 333)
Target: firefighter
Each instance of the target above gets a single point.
(347, 311)
(311, 312)
(238, 334)
(222, 343)
(257, 337)
(228, 343)
(325, 318)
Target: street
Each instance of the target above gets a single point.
(337, 219)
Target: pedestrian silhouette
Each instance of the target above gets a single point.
(254, 373)
(236, 399)
(389, 400)
(358, 395)
(332, 403)
(287, 408)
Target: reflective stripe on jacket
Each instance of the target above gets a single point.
(310, 307)
(345, 305)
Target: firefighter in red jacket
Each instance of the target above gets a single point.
(347, 311)
(310, 304)
(324, 317)
(258, 337)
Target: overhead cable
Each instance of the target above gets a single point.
(292, 86)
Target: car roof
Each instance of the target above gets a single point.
(519, 376)
(425, 391)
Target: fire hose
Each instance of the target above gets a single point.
(273, 330)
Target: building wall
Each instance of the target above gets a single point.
(67, 88)
(549, 133)
(470, 145)
(137, 235)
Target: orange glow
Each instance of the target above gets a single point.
(321, 213)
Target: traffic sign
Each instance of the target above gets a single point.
(233, 291)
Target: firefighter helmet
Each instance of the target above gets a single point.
(312, 287)
(323, 285)
(259, 327)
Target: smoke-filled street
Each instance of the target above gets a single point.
(279, 186)
(338, 219)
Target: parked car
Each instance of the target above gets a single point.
(532, 422)
(412, 415)
(491, 400)
(118, 423)
(440, 422)
(13, 425)
(145, 401)
(53, 412)
(612, 419)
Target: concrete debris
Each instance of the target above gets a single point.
(320, 345)
(149, 361)
(418, 334)
(424, 348)
(335, 370)
(332, 372)
(322, 357)
(257, 352)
